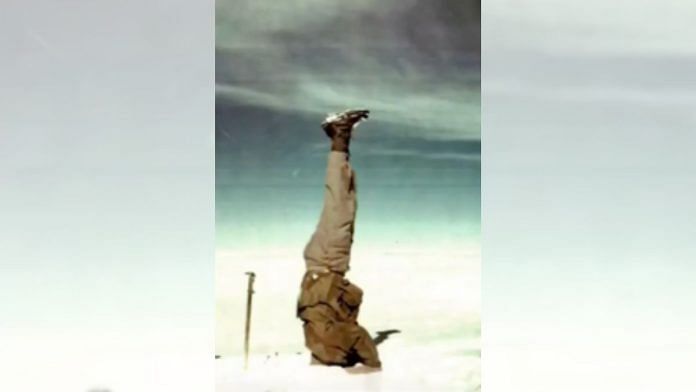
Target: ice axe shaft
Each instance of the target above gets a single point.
(250, 293)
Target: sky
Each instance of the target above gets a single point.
(281, 67)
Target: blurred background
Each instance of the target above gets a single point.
(587, 199)
(106, 195)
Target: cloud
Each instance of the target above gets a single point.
(445, 155)
(452, 113)
(413, 63)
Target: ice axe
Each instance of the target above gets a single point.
(250, 293)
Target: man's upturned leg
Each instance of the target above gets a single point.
(329, 247)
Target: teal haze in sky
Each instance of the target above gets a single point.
(281, 67)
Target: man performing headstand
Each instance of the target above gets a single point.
(329, 303)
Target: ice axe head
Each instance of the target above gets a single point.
(252, 277)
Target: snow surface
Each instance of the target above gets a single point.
(431, 296)
(424, 369)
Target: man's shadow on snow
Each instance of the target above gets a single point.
(384, 335)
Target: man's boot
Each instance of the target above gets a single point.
(339, 127)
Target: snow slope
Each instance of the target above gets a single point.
(431, 296)
(405, 369)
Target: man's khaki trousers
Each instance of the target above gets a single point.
(329, 303)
